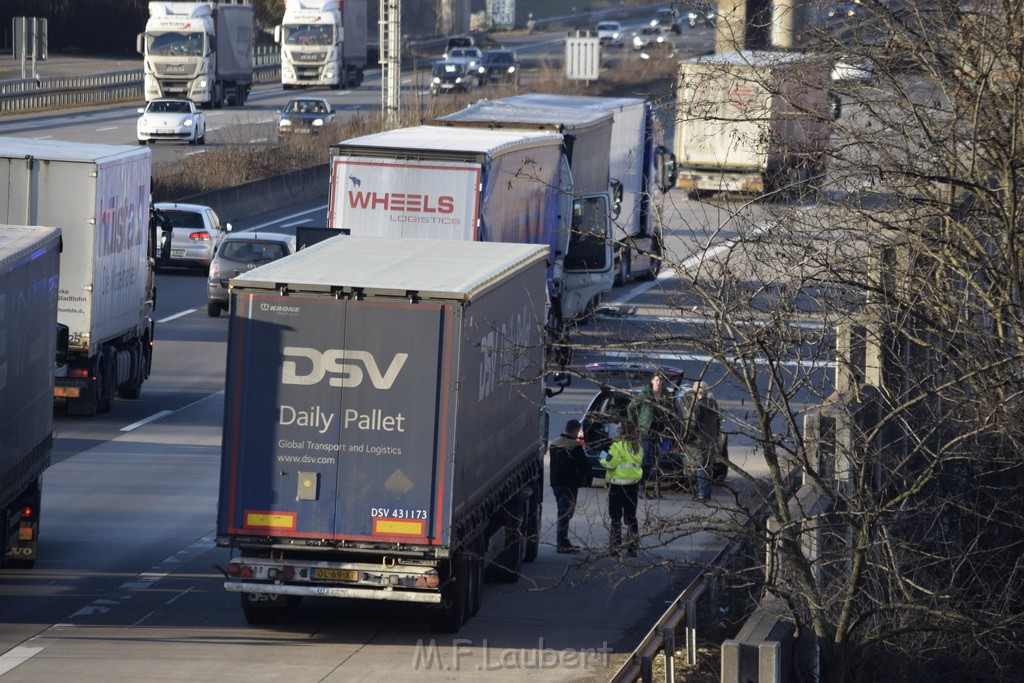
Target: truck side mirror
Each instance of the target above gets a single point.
(616, 197)
(140, 43)
(277, 34)
(664, 168)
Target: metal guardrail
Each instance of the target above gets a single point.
(698, 605)
(27, 94)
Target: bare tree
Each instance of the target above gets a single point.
(873, 334)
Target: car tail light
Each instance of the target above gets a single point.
(215, 269)
(200, 236)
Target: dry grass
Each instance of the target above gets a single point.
(257, 153)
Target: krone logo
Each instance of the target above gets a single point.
(318, 364)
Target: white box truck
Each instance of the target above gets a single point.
(29, 270)
(323, 43)
(638, 166)
(99, 197)
(202, 51)
(384, 435)
(482, 185)
(752, 121)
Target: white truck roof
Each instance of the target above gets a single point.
(435, 269)
(579, 101)
(59, 150)
(439, 139)
(565, 114)
(754, 58)
(18, 240)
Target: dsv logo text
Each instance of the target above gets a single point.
(316, 365)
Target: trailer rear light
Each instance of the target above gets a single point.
(27, 512)
(200, 236)
(428, 580)
(241, 571)
(78, 372)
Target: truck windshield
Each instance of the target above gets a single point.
(588, 241)
(176, 44)
(309, 34)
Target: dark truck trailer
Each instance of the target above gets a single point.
(29, 269)
(384, 427)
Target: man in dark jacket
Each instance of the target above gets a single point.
(569, 465)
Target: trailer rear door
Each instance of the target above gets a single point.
(339, 415)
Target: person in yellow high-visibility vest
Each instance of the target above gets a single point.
(624, 462)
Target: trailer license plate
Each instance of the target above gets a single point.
(324, 574)
(177, 253)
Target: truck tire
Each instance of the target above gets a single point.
(455, 607)
(133, 389)
(654, 265)
(107, 380)
(621, 267)
(261, 609)
(533, 520)
(476, 584)
(508, 566)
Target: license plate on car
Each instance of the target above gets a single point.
(165, 131)
(326, 574)
(177, 253)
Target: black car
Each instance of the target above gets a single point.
(620, 382)
(501, 66)
(449, 77)
(305, 115)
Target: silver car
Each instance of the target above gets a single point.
(194, 240)
(238, 253)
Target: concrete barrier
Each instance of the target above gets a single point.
(762, 652)
(263, 196)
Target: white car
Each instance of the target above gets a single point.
(611, 33)
(171, 119)
(853, 69)
(195, 235)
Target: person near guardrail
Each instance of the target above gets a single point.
(702, 424)
(624, 462)
(568, 465)
(651, 411)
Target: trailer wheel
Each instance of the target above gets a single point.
(533, 511)
(507, 567)
(107, 379)
(134, 389)
(261, 608)
(654, 265)
(455, 606)
(476, 584)
(621, 267)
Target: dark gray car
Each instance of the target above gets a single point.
(241, 252)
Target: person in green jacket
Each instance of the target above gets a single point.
(624, 463)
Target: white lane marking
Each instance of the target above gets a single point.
(177, 315)
(278, 221)
(151, 418)
(100, 130)
(295, 223)
(19, 655)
